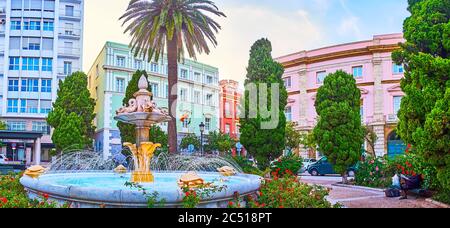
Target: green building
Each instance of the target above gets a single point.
(198, 93)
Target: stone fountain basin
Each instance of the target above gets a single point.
(96, 189)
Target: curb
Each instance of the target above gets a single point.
(358, 187)
(437, 203)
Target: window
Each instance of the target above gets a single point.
(13, 85)
(14, 63)
(166, 93)
(32, 25)
(227, 128)
(68, 29)
(197, 97)
(397, 104)
(16, 125)
(15, 24)
(321, 76)
(120, 85)
(32, 5)
(67, 68)
(154, 67)
(186, 123)
(183, 94)
(47, 64)
(209, 79)
(49, 5)
(155, 89)
(46, 86)
(49, 26)
(184, 73)
(13, 106)
(47, 44)
(288, 82)
(361, 110)
(398, 69)
(16, 4)
(207, 124)
(138, 64)
(30, 64)
(358, 72)
(197, 77)
(46, 106)
(120, 61)
(14, 43)
(29, 106)
(30, 85)
(31, 43)
(209, 99)
(69, 11)
(288, 113)
(41, 127)
(228, 110)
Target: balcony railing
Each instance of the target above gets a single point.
(64, 72)
(392, 118)
(76, 14)
(74, 52)
(70, 32)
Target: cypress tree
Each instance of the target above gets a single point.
(263, 144)
(73, 114)
(339, 133)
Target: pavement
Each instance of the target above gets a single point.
(363, 198)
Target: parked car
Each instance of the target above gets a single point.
(3, 159)
(307, 162)
(323, 167)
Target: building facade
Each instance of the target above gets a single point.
(229, 107)
(198, 93)
(377, 76)
(41, 42)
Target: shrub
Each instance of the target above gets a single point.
(290, 164)
(372, 173)
(13, 195)
(289, 192)
(247, 166)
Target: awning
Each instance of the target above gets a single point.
(23, 135)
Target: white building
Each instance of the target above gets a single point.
(41, 42)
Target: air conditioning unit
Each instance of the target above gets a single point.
(2, 22)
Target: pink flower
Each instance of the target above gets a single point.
(377, 169)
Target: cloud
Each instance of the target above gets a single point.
(350, 27)
(289, 32)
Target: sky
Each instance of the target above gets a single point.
(291, 26)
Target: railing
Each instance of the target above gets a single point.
(392, 118)
(72, 32)
(69, 51)
(61, 71)
(72, 14)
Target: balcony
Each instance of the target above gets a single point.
(70, 33)
(392, 119)
(63, 72)
(74, 15)
(69, 52)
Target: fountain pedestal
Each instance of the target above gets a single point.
(143, 113)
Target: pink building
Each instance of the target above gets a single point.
(377, 76)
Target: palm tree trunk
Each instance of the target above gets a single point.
(172, 59)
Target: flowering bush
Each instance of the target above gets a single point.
(287, 164)
(13, 195)
(411, 164)
(193, 196)
(288, 192)
(372, 173)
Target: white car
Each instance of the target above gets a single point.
(3, 159)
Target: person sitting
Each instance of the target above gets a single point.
(408, 183)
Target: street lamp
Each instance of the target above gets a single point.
(202, 130)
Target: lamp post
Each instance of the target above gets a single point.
(202, 130)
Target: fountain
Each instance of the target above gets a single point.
(86, 180)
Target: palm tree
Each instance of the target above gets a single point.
(175, 25)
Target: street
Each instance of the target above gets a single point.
(362, 198)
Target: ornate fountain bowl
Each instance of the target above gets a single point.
(143, 118)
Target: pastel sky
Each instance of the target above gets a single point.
(291, 25)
